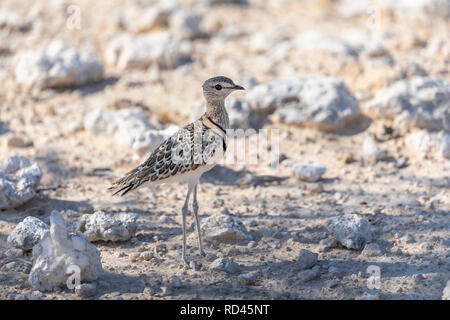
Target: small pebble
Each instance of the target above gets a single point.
(308, 275)
(195, 265)
(134, 256)
(426, 246)
(149, 291)
(120, 254)
(146, 256)
(252, 244)
(408, 238)
(371, 250)
(86, 289)
(176, 282)
(370, 296)
(166, 291)
(211, 256)
(332, 283)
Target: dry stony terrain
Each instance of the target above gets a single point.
(360, 94)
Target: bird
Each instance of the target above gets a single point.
(187, 154)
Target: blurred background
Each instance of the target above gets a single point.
(360, 91)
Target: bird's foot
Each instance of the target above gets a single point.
(186, 263)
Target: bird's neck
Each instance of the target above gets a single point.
(217, 112)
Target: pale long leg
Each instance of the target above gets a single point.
(184, 212)
(195, 207)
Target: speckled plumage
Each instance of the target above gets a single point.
(192, 150)
(193, 146)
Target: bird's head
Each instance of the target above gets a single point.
(218, 88)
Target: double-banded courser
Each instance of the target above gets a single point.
(187, 154)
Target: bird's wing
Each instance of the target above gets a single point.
(197, 144)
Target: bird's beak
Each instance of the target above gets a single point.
(236, 87)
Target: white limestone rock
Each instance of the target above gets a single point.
(310, 172)
(224, 2)
(59, 255)
(128, 127)
(186, 24)
(18, 181)
(308, 275)
(122, 125)
(225, 265)
(224, 228)
(157, 48)
(306, 259)
(319, 41)
(372, 250)
(419, 9)
(147, 141)
(266, 40)
(14, 21)
(155, 16)
(446, 292)
(57, 65)
(100, 226)
(86, 289)
(351, 230)
(321, 102)
(427, 144)
(27, 233)
(242, 115)
(424, 101)
(371, 152)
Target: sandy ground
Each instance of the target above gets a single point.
(392, 194)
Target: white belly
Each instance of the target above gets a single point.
(190, 176)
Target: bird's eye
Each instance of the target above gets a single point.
(218, 87)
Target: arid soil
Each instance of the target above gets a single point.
(404, 195)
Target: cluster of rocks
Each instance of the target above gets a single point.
(326, 104)
(60, 254)
(60, 257)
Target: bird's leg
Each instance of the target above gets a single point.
(195, 207)
(184, 211)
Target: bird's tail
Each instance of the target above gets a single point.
(124, 184)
